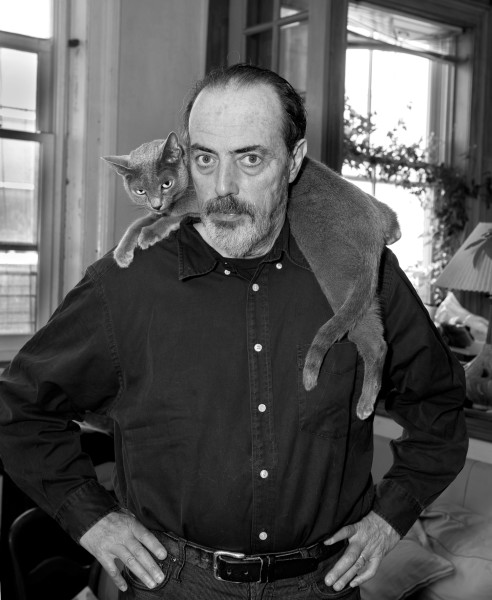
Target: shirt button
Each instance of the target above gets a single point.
(263, 535)
(264, 474)
(261, 407)
(279, 265)
(227, 272)
(255, 287)
(258, 347)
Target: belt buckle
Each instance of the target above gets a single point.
(238, 555)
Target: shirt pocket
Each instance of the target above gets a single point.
(326, 410)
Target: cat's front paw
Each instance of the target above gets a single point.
(123, 259)
(147, 238)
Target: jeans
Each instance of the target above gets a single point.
(185, 581)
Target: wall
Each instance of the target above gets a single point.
(162, 52)
(130, 65)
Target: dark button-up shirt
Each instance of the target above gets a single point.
(199, 364)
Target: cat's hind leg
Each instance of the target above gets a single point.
(159, 230)
(367, 335)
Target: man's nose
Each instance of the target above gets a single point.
(226, 179)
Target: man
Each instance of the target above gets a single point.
(232, 481)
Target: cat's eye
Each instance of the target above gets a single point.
(139, 192)
(167, 184)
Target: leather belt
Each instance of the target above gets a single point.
(261, 568)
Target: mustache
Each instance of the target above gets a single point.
(229, 204)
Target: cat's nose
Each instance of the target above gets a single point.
(156, 203)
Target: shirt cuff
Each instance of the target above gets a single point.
(396, 506)
(84, 507)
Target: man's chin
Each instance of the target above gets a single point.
(233, 238)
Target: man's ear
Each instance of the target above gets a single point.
(296, 158)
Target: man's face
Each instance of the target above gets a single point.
(240, 168)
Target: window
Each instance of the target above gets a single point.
(26, 163)
(276, 37)
(400, 69)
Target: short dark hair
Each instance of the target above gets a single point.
(242, 74)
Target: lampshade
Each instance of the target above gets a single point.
(470, 269)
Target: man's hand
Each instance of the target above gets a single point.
(120, 535)
(369, 540)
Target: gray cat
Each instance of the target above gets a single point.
(340, 229)
(155, 176)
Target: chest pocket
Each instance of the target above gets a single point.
(327, 410)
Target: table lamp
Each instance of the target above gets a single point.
(470, 270)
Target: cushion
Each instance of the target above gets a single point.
(464, 538)
(407, 568)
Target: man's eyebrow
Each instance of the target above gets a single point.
(201, 148)
(253, 148)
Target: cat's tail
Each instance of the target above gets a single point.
(344, 320)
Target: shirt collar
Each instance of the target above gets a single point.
(195, 257)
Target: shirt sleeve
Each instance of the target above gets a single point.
(424, 392)
(69, 367)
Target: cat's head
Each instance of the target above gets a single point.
(155, 174)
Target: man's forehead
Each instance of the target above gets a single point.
(239, 113)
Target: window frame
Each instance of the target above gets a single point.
(50, 119)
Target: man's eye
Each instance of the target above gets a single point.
(204, 160)
(251, 160)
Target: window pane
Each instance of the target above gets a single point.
(259, 11)
(292, 7)
(18, 280)
(27, 17)
(18, 192)
(409, 76)
(18, 74)
(293, 55)
(259, 49)
(357, 80)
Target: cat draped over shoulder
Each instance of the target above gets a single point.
(340, 229)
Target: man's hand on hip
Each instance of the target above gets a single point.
(120, 535)
(369, 540)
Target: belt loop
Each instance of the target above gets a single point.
(265, 568)
(181, 558)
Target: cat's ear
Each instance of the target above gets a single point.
(121, 164)
(172, 151)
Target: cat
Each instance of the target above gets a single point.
(340, 229)
(155, 177)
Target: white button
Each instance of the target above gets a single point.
(255, 287)
(279, 265)
(264, 474)
(227, 272)
(261, 407)
(263, 535)
(258, 347)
